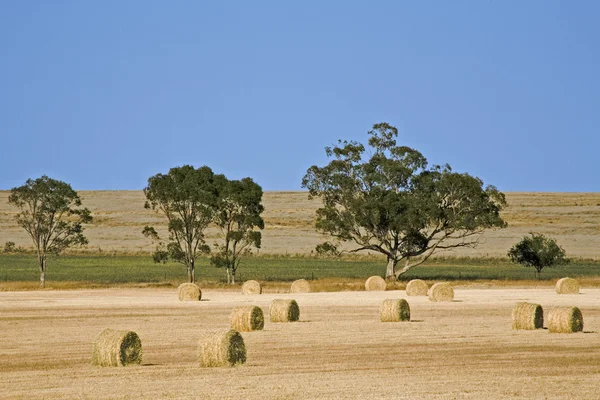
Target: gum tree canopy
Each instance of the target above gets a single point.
(187, 197)
(237, 215)
(388, 200)
(51, 213)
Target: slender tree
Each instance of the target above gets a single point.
(51, 213)
(238, 217)
(539, 252)
(389, 201)
(187, 198)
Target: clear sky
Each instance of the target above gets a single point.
(104, 94)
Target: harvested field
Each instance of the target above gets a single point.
(573, 219)
(339, 349)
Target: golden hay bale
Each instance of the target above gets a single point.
(375, 283)
(417, 287)
(224, 348)
(441, 291)
(251, 287)
(247, 319)
(300, 286)
(189, 292)
(567, 286)
(565, 320)
(117, 349)
(394, 310)
(527, 316)
(282, 310)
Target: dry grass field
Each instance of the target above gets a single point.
(572, 218)
(459, 350)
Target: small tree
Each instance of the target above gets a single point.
(238, 216)
(393, 204)
(187, 197)
(537, 251)
(51, 215)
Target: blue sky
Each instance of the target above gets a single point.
(105, 94)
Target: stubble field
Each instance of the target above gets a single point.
(459, 350)
(573, 219)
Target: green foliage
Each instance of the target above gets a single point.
(187, 197)
(11, 247)
(237, 214)
(391, 202)
(51, 213)
(326, 249)
(537, 251)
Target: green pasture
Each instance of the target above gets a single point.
(141, 269)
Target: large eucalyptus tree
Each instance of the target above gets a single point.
(51, 213)
(187, 197)
(388, 200)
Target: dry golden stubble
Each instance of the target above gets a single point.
(528, 316)
(375, 283)
(394, 310)
(117, 349)
(223, 348)
(247, 318)
(565, 320)
(417, 287)
(283, 310)
(189, 292)
(441, 291)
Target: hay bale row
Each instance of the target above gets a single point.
(567, 286)
(224, 348)
(441, 291)
(247, 319)
(527, 316)
(375, 283)
(283, 310)
(117, 349)
(417, 287)
(300, 286)
(251, 287)
(189, 292)
(565, 320)
(394, 310)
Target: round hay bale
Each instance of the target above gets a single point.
(375, 283)
(224, 348)
(441, 291)
(527, 316)
(300, 286)
(251, 287)
(189, 292)
(394, 310)
(282, 310)
(417, 287)
(567, 286)
(247, 319)
(565, 320)
(117, 349)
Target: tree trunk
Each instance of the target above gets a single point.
(390, 272)
(191, 272)
(42, 261)
(228, 275)
(233, 276)
(406, 267)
